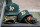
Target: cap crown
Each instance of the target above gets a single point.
(22, 14)
(12, 7)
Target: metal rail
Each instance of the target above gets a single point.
(2, 13)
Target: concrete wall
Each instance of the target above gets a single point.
(28, 4)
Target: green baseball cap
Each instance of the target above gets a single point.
(22, 14)
(11, 9)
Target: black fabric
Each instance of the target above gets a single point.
(23, 20)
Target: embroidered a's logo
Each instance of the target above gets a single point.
(23, 12)
(11, 8)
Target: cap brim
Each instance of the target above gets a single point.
(11, 13)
